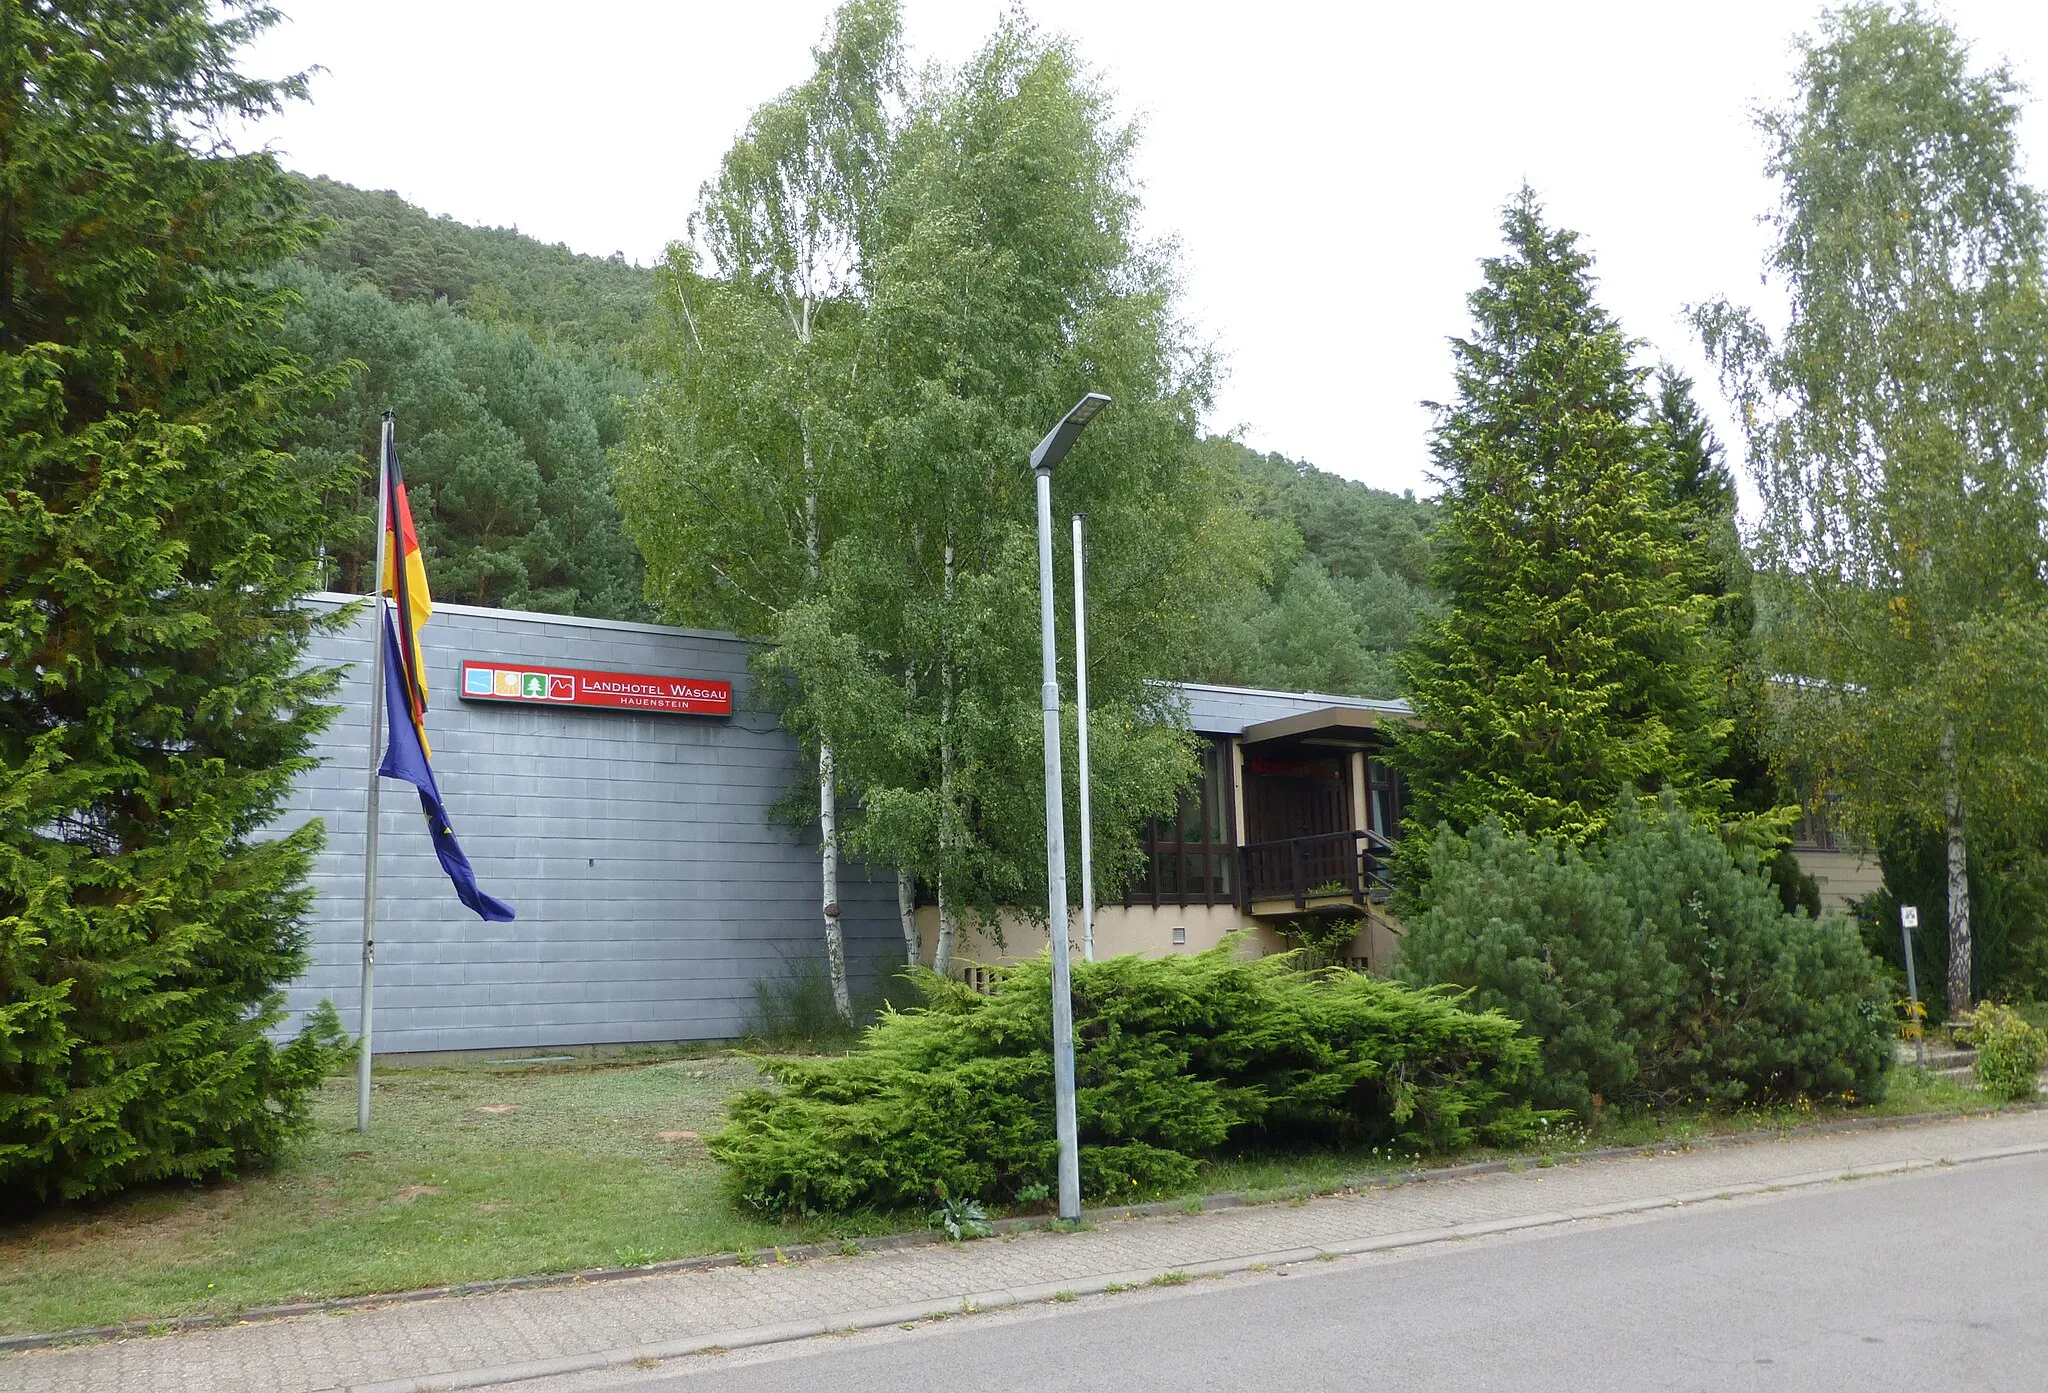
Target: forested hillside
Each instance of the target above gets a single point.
(1349, 579)
(494, 274)
(504, 361)
(507, 361)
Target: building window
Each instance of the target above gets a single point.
(1812, 832)
(1191, 857)
(1383, 799)
(1180, 934)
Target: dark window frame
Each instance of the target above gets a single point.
(1164, 879)
(1383, 791)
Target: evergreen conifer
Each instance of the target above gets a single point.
(1574, 658)
(154, 705)
(1703, 491)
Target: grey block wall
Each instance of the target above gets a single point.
(652, 888)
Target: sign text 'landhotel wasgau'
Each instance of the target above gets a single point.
(570, 686)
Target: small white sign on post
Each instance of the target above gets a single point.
(1909, 920)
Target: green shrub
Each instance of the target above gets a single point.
(1321, 938)
(2008, 1052)
(1653, 967)
(1173, 1057)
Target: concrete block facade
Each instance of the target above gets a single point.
(652, 886)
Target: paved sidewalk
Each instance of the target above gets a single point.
(466, 1341)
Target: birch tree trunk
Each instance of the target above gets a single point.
(828, 780)
(828, 876)
(906, 911)
(942, 955)
(1958, 883)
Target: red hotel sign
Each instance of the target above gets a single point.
(572, 686)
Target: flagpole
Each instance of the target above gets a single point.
(376, 757)
(1081, 739)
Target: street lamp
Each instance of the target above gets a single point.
(1050, 452)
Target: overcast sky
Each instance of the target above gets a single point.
(1332, 172)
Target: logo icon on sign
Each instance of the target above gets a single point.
(536, 686)
(561, 687)
(505, 684)
(476, 681)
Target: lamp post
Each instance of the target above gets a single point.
(1049, 453)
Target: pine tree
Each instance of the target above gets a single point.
(1574, 658)
(154, 703)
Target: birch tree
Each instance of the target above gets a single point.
(736, 476)
(1007, 281)
(1896, 438)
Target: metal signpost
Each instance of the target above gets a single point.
(1050, 452)
(1909, 920)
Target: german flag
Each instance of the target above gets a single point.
(405, 686)
(405, 580)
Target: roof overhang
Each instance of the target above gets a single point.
(1336, 725)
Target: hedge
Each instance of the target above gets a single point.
(1175, 1057)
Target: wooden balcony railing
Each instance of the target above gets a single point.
(1352, 864)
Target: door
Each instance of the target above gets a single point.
(1288, 798)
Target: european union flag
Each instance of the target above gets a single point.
(406, 758)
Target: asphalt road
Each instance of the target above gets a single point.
(1935, 1281)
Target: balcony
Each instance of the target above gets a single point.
(1327, 872)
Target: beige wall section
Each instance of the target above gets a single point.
(1121, 929)
(1844, 876)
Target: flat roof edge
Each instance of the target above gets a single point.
(1326, 698)
(337, 599)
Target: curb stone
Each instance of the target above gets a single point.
(807, 1252)
(873, 1318)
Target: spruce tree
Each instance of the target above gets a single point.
(1574, 657)
(1702, 488)
(154, 702)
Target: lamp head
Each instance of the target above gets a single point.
(1061, 437)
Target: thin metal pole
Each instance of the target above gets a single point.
(376, 757)
(1064, 1124)
(1081, 735)
(1913, 996)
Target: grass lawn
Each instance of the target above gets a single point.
(476, 1170)
(470, 1171)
